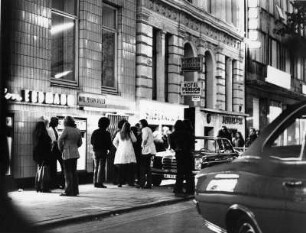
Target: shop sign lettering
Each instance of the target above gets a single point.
(191, 88)
(91, 100)
(41, 97)
(192, 64)
(232, 120)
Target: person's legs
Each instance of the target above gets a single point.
(120, 169)
(142, 171)
(148, 171)
(75, 180)
(61, 180)
(178, 188)
(101, 176)
(95, 172)
(68, 176)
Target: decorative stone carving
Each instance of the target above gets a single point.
(191, 22)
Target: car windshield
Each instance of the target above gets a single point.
(213, 145)
(288, 143)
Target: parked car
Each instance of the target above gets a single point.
(208, 151)
(264, 189)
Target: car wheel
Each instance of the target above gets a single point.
(156, 180)
(245, 225)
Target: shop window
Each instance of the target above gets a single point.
(109, 48)
(64, 40)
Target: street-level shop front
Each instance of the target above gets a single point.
(29, 106)
(208, 122)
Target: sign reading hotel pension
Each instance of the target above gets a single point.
(91, 100)
(192, 63)
(191, 88)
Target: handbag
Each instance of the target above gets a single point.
(43, 178)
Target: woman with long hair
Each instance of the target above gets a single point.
(125, 156)
(68, 143)
(42, 155)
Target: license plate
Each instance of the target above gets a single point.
(169, 176)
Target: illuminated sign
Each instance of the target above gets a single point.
(232, 120)
(91, 100)
(161, 113)
(40, 97)
(191, 88)
(192, 64)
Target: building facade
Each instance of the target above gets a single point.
(191, 54)
(72, 57)
(154, 59)
(275, 74)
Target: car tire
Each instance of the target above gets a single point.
(156, 180)
(245, 225)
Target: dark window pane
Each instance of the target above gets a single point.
(68, 6)
(108, 58)
(63, 47)
(109, 17)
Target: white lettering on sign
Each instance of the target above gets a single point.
(91, 100)
(191, 88)
(43, 98)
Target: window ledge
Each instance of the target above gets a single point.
(67, 84)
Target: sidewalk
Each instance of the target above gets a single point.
(48, 209)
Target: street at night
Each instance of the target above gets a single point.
(131, 115)
(176, 218)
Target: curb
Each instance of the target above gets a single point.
(92, 217)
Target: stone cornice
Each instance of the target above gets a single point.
(195, 19)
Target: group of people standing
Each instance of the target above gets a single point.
(49, 148)
(236, 137)
(134, 149)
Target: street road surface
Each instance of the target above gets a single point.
(177, 218)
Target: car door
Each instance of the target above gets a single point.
(286, 151)
(295, 190)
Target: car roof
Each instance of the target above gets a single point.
(209, 137)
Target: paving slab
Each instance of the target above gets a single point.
(47, 209)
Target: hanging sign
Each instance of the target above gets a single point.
(192, 64)
(191, 88)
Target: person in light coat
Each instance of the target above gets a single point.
(125, 156)
(68, 143)
(148, 150)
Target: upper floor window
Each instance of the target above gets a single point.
(63, 35)
(109, 47)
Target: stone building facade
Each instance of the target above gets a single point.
(55, 62)
(275, 74)
(211, 33)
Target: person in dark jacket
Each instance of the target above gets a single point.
(42, 152)
(224, 133)
(102, 144)
(181, 143)
(251, 138)
(56, 156)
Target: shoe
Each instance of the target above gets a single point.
(103, 186)
(147, 187)
(63, 194)
(119, 185)
(96, 185)
(138, 186)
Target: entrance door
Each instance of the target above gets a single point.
(208, 131)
